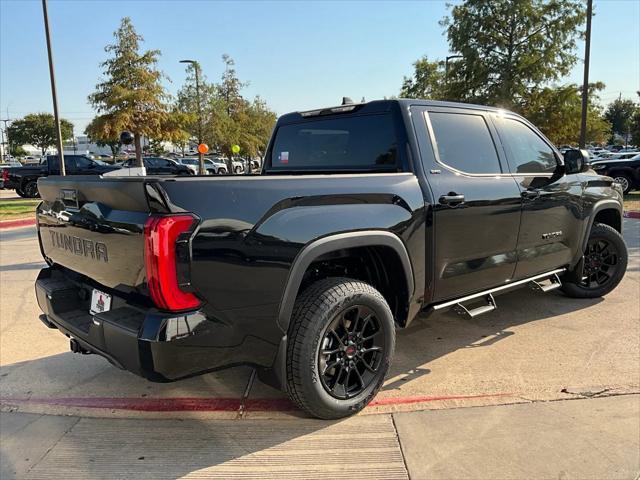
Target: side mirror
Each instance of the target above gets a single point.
(576, 161)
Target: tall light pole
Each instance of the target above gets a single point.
(446, 66)
(196, 67)
(53, 88)
(585, 82)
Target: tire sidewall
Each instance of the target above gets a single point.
(310, 351)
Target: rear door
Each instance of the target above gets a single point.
(476, 211)
(551, 226)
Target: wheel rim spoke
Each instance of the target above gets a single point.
(351, 352)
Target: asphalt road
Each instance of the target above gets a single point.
(535, 347)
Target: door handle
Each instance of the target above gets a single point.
(451, 199)
(530, 194)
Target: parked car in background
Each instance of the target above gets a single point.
(160, 166)
(625, 171)
(24, 180)
(190, 162)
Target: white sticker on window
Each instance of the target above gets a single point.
(284, 157)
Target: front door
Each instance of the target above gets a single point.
(551, 227)
(476, 202)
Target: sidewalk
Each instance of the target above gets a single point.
(592, 438)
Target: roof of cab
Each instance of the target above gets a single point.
(378, 106)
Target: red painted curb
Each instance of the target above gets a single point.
(25, 222)
(193, 404)
(631, 214)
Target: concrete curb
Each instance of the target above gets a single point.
(23, 222)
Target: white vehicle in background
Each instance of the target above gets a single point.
(192, 163)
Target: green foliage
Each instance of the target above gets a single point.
(18, 151)
(556, 112)
(428, 80)
(38, 129)
(509, 47)
(621, 113)
(635, 127)
(227, 117)
(131, 96)
(99, 131)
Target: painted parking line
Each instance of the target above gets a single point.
(202, 404)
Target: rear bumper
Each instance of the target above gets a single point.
(158, 346)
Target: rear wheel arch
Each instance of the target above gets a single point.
(385, 251)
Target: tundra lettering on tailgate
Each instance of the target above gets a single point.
(79, 246)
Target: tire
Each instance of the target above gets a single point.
(605, 263)
(20, 193)
(31, 189)
(319, 355)
(624, 180)
(222, 171)
(238, 170)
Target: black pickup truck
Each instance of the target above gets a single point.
(24, 179)
(625, 171)
(364, 216)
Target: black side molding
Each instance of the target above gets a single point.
(331, 243)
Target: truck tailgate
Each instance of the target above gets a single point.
(95, 226)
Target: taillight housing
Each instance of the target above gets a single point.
(163, 235)
(5, 174)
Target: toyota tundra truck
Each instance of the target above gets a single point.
(364, 216)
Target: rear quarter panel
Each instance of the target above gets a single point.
(253, 228)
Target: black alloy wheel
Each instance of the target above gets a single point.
(31, 189)
(351, 352)
(600, 263)
(603, 265)
(340, 343)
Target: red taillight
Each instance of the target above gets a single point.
(160, 236)
(5, 174)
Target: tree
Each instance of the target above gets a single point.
(187, 105)
(556, 112)
(428, 80)
(38, 129)
(620, 113)
(100, 132)
(233, 120)
(131, 97)
(509, 47)
(635, 128)
(17, 151)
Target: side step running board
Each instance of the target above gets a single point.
(554, 282)
(474, 312)
(545, 282)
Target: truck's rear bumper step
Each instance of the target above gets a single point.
(544, 282)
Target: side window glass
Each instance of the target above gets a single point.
(526, 151)
(70, 163)
(464, 142)
(83, 162)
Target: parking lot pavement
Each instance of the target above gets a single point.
(588, 439)
(534, 347)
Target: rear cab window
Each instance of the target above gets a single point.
(366, 142)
